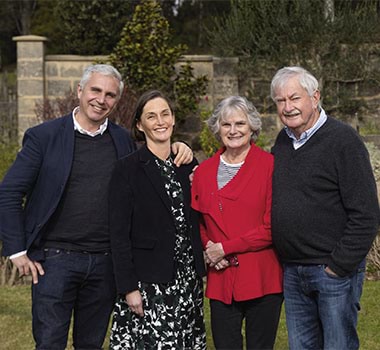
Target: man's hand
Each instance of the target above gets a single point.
(184, 154)
(134, 301)
(191, 176)
(26, 266)
(330, 272)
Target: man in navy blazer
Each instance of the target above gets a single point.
(54, 214)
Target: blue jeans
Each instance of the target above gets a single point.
(74, 282)
(321, 310)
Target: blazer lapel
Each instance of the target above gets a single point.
(117, 140)
(67, 135)
(153, 173)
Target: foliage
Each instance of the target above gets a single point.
(373, 258)
(191, 19)
(187, 91)
(7, 156)
(46, 23)
(21, 12)
(300, 32)
(123, 112)
(144, 55)
(146, 59)
(8, 151)
(207, 140)
(83, 27)
(374, 154)
(8, 29)
(369, 129)
(54, 108)
(271, 30)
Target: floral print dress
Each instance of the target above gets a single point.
(173, 312)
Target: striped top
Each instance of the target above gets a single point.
(226, 172)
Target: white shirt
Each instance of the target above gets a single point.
(100, 131)
(305, 136)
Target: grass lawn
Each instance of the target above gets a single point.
(15, 320)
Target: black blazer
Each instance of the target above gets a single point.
(141, 223)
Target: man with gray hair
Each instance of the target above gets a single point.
(54, 214)
(325, 215)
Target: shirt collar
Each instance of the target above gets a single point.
(100, 131)
(305, 136)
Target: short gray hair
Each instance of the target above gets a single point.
(104, 69)
(305, 78)
(227, 107)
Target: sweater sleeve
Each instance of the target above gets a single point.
(359, 197)
(18, 181)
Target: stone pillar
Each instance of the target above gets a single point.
(30, 78)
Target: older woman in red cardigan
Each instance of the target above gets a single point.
(233, 192)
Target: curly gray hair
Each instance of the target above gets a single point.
(230, 105)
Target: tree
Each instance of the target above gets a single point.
(21, 11)
(46, 23)
(146, 59)
(16, 17)
(191, 18)
(86, 27)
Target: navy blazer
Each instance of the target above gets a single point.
(142, 226)
(39, 176)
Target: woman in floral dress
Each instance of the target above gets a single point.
(155, 241)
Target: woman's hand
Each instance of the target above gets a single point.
(214, 253)
(134, 301)
(222, 264)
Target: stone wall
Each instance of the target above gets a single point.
(41, 76)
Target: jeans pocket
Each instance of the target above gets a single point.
(335, 276)
(51, 253)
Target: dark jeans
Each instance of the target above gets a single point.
(79, 283)
(261, 321)
(321, 310)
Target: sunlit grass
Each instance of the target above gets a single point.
(16, 321)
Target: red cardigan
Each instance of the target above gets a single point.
(238, 215)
